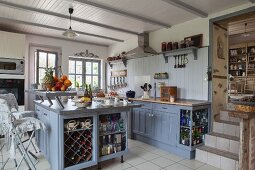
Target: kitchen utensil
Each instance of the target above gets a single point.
(181, 63)
(125, 84)
(178, 66)
(130, 94)
(114, 83)
(175, 65)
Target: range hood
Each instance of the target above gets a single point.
(143, 49)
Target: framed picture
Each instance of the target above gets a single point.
(197, 40)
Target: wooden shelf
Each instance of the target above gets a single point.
(123, 61)
(181, 51)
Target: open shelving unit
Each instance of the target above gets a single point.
(193, 127)
(123, 61)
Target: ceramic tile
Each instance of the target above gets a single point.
(148, 156)
(135, 161)
(210, 141)
(201, 156)
(137, 150)
(217, 127)
(173, 157)
(234, 146)
(229, 129)
(159, 152)
(222, 144)
(148, 166)
(132, 168)
(177, 167)
(227, 164)
(207, 167)
(213, 160)
(115, 165)
(193, 164)
(162, 162)
(150, 148)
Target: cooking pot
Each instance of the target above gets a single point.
(130, 94)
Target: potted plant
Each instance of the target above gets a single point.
(146, 90)
(185, 138)
(196, 137)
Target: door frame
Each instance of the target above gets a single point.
(210, 56)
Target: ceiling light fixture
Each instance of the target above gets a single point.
(69, 32)
(245, 34)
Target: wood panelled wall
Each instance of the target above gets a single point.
(190, 81)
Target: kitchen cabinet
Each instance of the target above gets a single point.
(141, 121)
(12, 45)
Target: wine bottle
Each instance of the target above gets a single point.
(90, 93)
(86, 92)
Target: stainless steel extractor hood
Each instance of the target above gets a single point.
(143, 49)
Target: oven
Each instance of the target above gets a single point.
(11, 66)
(15, 86)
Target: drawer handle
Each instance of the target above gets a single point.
(37, 110)
(164, 107)
(45, 114)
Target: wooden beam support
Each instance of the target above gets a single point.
(123, 13)
(187, 7)
(37, 10)
(57, 28)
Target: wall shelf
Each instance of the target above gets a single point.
(120, 61)
(180, 51)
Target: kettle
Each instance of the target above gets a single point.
(130, 94)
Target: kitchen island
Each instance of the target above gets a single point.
(177, 127)
(77, 138)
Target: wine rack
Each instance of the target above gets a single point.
(112, 134)
(193, 126)
(78, 140)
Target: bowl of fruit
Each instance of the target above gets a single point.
(83, 102)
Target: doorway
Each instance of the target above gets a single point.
(232, 58)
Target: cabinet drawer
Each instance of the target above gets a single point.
(145, 105)
(165, 108)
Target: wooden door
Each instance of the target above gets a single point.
(219, 69)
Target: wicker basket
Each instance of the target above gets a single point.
(244, 108)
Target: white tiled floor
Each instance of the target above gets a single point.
(141, 156)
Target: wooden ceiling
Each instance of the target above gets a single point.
(103, 22)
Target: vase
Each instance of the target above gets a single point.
(146, 95)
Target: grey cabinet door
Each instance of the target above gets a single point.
(135, 120)
(148, 123)
(157, 125)
(169, 128)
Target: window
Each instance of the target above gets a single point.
(43, 60)
(84, 71)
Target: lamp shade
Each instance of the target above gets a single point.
(70, 33)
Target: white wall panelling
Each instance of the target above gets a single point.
(12, 45)
(190, 80)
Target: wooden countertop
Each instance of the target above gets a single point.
(240, 114)
(177, 102)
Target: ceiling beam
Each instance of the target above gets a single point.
(56, 28)
(37, 10)
(123, 13)
(252, 1)
(187, 7)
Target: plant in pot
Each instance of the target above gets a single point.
(48, 78)
(196, 137)
(185, 138)
(146, 90)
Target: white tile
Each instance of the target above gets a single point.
(177, 166)
(193, 164)
(148, 156)
(173, 157)
(148, 166)
(234, 146)
(207, 167)
(159, 152)
(222, 144)
(150, 148)
(229, 129)
(201, 156)
(137, 150)
(162, 162)
(213, 160)
(210, 141)
(227, 164)
(132, 168)
(217, 127)
(135, 161)
(115, 165)
(144, 146)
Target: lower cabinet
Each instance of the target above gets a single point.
(154, 124)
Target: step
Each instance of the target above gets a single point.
(224, 116)
(217, 158)
(227, 128)
(223, 142)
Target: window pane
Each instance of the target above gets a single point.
(51, 60)
(72, 79)
(79, 79)
(41, 74)
(78, 67)
(88, 79)
(95, 81)
(71, 66)
(95, 68)
(88, 67)
(42, 59)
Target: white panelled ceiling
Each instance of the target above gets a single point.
(106, 26)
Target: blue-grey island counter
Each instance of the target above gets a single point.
(77, 138)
